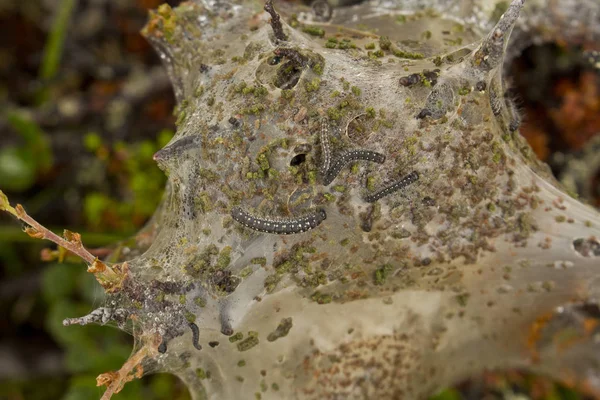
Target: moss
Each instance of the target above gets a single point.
(371, 183)
(224, 258)
(334, 113)
(271, 282)
(237, 336)
(321, 298)
(248, 343)
(464, 91)
(253, 110)
(381, 274)
(370, 112)
(313, 85)
(190, 317)
(203, 203)
(259, 260)
(376, 54)
(346, 44)
(314, 31)
(284, 267)
(241, 363)
(263, 160)
(560, 218)
(462, 299)
(287, 94)
(385, 43)
(240, 87)
(246, 272)
(329, 197)
(200, 302)
(356, 90)
(200, 373)
(182, 299)
(405, 54)
(525, 225)
(208, 175)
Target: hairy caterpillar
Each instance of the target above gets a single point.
(279, 226)
(348, 157)
(397, 185)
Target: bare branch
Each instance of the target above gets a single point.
(275, 21)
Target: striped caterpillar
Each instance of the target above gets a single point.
(394, 187)
(325, 146)
(281, 226)
(348, 157)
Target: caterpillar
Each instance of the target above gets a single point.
(348, 157)
(162, 348)
(279, 226)
(195, 335)
(325, 146)
(398, 185)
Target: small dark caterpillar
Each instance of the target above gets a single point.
(281, 226)
(349, 157)
(162, 348)
(325, 147)
(398, 185)
(515, 118)
(195, 335)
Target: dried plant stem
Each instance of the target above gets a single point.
(116, 380)
(110, 277)
(38, 231)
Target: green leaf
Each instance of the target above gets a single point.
(17, 170)
(56, 39)
(37, 141)
(59, 281)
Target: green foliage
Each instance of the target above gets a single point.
(142, 183)
(20, 164)
(56, 38)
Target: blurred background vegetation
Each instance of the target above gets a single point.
(84, 104)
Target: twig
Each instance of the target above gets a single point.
(275, 21)
(116, 380)
(71, 243)
(110, 277)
